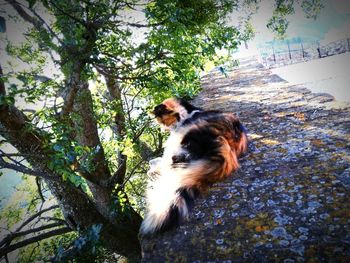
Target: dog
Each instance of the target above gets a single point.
(203, 148)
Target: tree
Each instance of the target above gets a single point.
(89, 137)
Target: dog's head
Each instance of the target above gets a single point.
(172, 111)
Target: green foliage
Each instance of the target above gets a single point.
(278, 23)
(65, 152)
(6, 100)
(248, 31)
(13, 214)
(312, 8)
(85, 248)
(44, 250)
(26, 201)
(188, 41)
(121, 204)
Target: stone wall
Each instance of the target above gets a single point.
(289, 202)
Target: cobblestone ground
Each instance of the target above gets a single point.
(290, 201)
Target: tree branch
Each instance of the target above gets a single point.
(118, 176)
(38, 22)
(119, 121)
(25, 170)
(25, 15)
(69, 100)
(49, 218)
(10, 237)
(17, 130)
(138, 25)
(63, 12)
(26, 222)
(132, 172)
(26, 242)
(43, 22)
(40, 192)
(85, 122)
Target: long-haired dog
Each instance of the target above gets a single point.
(202, 149)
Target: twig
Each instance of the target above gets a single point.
(43, 22)
(3, 154)
(48, 218)
(38, 184)
(34, 248)
(9, 238)
(132, 172)
(135, 191)
(26, 222)
(5, 250)
(23, 169)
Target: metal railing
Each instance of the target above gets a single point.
(271, 58)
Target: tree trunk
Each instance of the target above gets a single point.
(120, 236)
(79, 210)
(87, 135)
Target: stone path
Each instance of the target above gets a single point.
(290, 200)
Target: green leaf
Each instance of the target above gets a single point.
(7, 100)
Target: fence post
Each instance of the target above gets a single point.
(290, 55)
(273, 51)
(302, 48)
(319, 50)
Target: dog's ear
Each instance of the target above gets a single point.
(168, 106)
(160, 110)
(167, 113)
(188, 106)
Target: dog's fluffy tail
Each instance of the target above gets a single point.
(171, 196)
